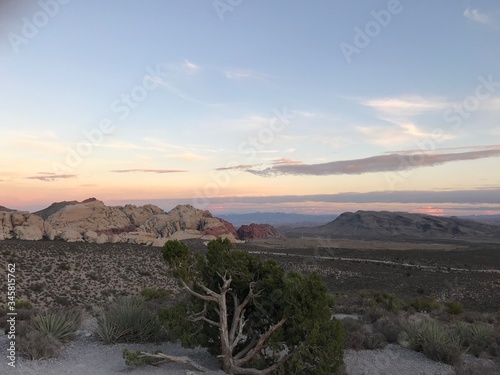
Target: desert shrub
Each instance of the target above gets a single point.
(433, 339)
(473, 317)
(375, 313)
(150, 293)
(24, 314)
(454, 307)
(24, 304)
(358, 337)
(60, 324)
(424, 304)
(128, 320)
(38, 345)
(389, 327)
(387, 302)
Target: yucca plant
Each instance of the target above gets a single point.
(60, 324)
(128, 320)
(477, 338)
(434, 340)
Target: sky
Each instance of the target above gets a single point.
(243, 106)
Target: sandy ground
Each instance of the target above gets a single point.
(88, 356)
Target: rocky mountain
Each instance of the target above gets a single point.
(57, 206)
(5, 209)
(246, 232)
(403, 225)
(93, 221)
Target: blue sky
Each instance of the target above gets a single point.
(230, 105)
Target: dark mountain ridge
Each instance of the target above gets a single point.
(404, 225)
(58, 206)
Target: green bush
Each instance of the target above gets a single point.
(424, 304)
(150, 293)
(129, 320)
(24, 304)
(454, 307)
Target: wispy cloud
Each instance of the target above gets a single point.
(148, 170)
(47, 177)
(406, 106)
(476, 15)
(237, 167)
(401, 117)
(381, 163)
(190, 66)
(236, 74)
(399, 134)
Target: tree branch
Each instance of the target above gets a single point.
(198, 295)
(239, 310)
(176, 359)
(260, 343)
(202, 315)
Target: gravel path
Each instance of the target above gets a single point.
(393, 360)
(89, 357)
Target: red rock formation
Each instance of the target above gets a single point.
(219, 231)
(258, 231)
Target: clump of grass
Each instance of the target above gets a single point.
(433, 339)
(454, 307)
(24, 304)
(424, 304)
(37, 345)
(128, 320)
(151, 293)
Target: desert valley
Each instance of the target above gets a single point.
(88, 254)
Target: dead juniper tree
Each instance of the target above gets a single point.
(256, 317)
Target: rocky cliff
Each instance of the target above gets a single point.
(246, 232)
(93, 221)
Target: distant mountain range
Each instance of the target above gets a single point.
(276, 219)
(2, 208)
(401, 226)
(482, 217)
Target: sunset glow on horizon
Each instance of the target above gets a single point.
(281, 106)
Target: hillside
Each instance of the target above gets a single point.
(403, 225)
(2, 208)
(58, 206)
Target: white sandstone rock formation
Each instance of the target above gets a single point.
(21, 225)
(148, 225)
